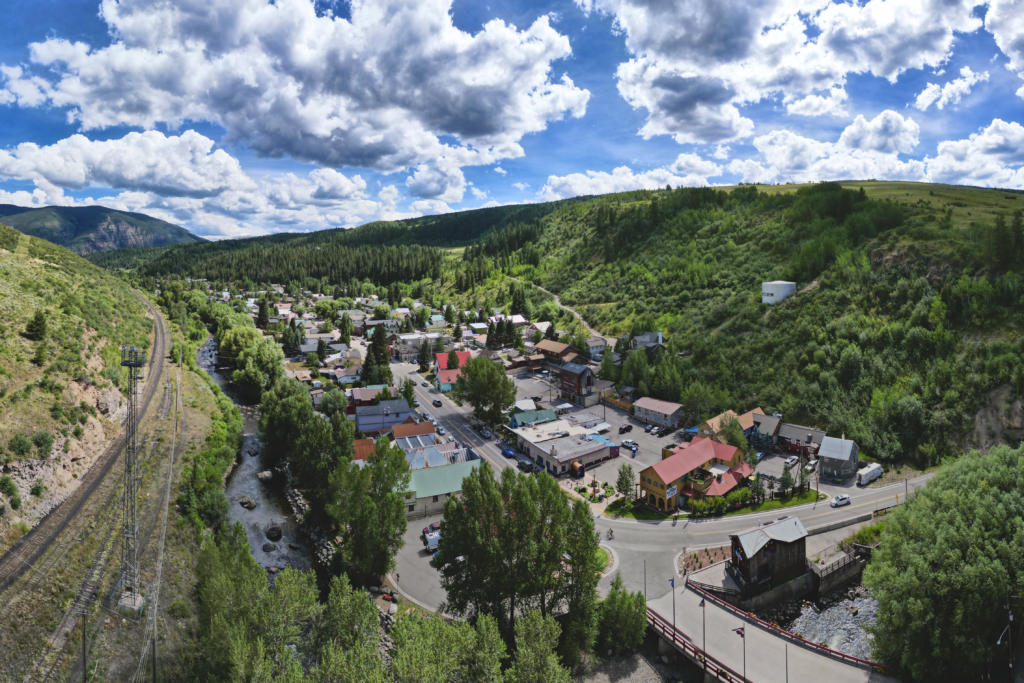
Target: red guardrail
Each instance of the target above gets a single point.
(678, 638)
(783, 633)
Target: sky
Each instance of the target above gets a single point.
(235, 118)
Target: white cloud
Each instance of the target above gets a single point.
(992, 157)
(1005, 20)
(950, 93)
(833, 103)
(686, 170)
(184, 165)
(521, 186)
(478, 193)
(377, 90)
(721, 152)
(442, 180)
(695, 63)
(500, 171)
(887, 132)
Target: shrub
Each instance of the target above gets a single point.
(15, 502)
(178, 609)
(7, 486)
(37, 488)
(43, 442)
(20, 444)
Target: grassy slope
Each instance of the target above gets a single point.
(89, 315)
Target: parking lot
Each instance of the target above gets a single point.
(648, 447)
(416, 575)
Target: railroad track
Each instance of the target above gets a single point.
(27, 551)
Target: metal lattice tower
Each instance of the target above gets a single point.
(132, 359)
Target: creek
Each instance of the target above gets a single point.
(271, 510)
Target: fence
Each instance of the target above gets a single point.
(792, 637)
(833, 566)
(681, 642)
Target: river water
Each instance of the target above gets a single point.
(842, 626)
(271, 510)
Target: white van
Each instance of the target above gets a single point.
(868, 474)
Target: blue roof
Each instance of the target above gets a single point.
(691, 430)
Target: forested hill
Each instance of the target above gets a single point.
(905, 332)
(89, 229)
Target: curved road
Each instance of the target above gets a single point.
(23, 555)
(647, 551)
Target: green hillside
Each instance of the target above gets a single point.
(904, 333)
(89, 229)
(57, 387)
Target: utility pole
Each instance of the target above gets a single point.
(131, 595)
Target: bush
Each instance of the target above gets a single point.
(7, 486)
(43, 442)
(37, 488)
(20, 444)
(178, 609)
(15, 502)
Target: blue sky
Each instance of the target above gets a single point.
(243, 117)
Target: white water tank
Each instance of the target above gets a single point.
(775, 291)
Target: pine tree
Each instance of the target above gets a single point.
(321, 350)
(423, 358)
(36, 327)
(263, 315)
(453, 360)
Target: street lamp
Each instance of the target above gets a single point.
(672, 583)
(739, 631)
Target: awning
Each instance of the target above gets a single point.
(691, 430)
(602, 427)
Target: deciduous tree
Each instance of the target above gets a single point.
(485, 386)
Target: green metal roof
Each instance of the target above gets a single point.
(529, 417)
(435, 481)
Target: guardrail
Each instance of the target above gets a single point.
(681, 641)
(792, 637)
(832, 566)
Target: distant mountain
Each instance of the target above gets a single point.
(88, 229)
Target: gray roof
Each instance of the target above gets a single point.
(786, 531)
(837, 449)
(574, 368)
(799, 433)
(395, 405)
(308, 346)
(411, 443)
(767, 424)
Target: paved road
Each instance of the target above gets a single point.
(645, 550)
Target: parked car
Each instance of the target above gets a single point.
(508, 452)
(425, 384)
(440, 430)
(629, 443)
(760, 456)
(840, 500)
(811, 465)
(648, 428)
(536, 399)
(436, 403)
(792, 460)
(625, 428)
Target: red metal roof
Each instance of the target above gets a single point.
(688, 457)
(363, 448)
(412, 429)
(442, 359)
(449, 376)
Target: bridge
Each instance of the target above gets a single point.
(704, 628)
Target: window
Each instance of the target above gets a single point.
(435, 499)
(412, 507)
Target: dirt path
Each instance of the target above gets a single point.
(558, 302)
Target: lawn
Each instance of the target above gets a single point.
(602, 559)
(808, 496)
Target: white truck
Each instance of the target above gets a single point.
(868, 474)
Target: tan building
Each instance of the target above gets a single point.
(703, 467)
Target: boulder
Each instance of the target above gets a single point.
(265, 475)
(247, 502)
(274, 533)
(269, 547)
(294, 546)
(392, 608)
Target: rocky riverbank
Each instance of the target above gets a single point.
(840, 620)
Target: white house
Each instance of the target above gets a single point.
(775, 291)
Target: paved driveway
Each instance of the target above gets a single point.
(416, 577)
